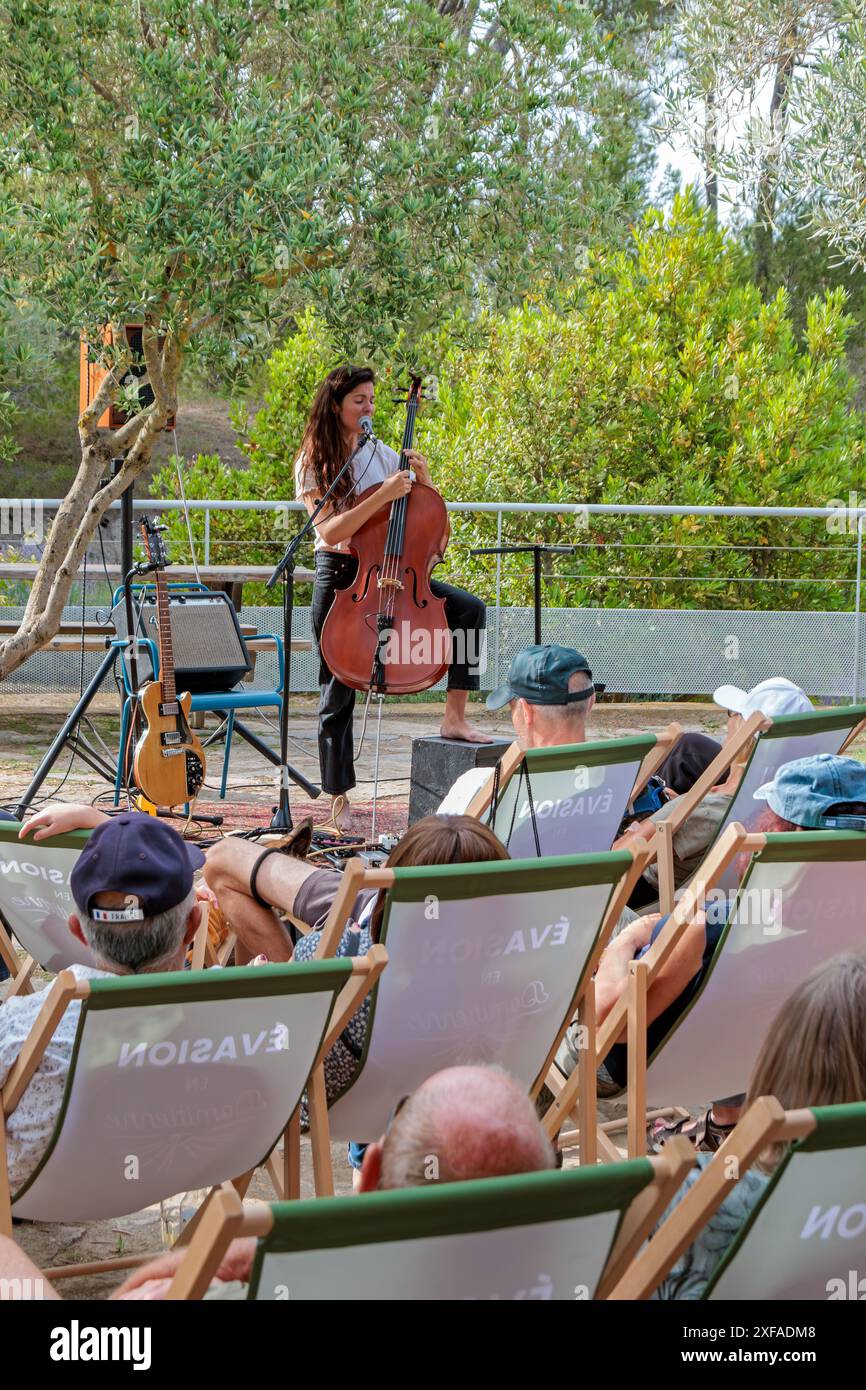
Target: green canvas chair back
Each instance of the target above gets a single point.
(538, 1236)
(580, 792)
(35, 901)
(179, 1081)
(806, 1239)
(484, 965)
(801, 902)
(791, 736)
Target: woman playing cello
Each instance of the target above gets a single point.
(332, 434)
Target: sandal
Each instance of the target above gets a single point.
(705, 1133)
(297, 842)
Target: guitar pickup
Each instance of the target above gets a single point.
(171, 738)
(172, 707)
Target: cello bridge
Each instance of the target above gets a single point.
(386, 583)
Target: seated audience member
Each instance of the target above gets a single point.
(814, 1054)
(690, 843)
(478, 1122)
(132, 886)
(803, 795)
(249, 882)
(551, 694)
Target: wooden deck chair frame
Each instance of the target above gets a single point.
(227, 1219)
(764, 1123)
(784, 859)
(357, 877)
(21, 971)
(748, 733)
(629, 1014)
(363, 974)
(514, 757)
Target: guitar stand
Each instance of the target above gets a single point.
(85, 750)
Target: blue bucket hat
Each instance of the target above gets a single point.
(540, 675)
(803, 791)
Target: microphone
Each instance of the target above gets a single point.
(365, 427)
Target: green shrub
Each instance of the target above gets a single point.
(663, 378)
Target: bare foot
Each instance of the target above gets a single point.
(462, 729)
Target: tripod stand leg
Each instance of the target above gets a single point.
(381, 700)
(62, 736)
(261, 747)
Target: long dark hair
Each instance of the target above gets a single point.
(323, 447)
(440, 840)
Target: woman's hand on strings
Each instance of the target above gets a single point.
(398, 485)
(420, 465)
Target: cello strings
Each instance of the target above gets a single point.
(397, 523)
(396, 527)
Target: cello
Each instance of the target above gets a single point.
(386, 631)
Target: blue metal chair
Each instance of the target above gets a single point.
(227, 701)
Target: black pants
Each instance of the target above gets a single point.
(463, 612)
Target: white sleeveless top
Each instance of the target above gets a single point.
(373, 464)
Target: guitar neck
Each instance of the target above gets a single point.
(166, 654)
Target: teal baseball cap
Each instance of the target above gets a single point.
(803, 791)
(540, 675)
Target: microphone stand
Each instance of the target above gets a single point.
(285, 570)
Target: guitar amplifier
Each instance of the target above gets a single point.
(209, 652)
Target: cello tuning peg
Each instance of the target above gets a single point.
(430, 389)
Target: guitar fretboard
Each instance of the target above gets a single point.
(166, 654)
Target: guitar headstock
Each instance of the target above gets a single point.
(151, 539)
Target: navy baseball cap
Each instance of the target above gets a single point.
(140, 856)
(805, 790)
(540, 675)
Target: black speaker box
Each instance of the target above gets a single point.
(436, 765)
(209, 652)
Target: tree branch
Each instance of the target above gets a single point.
(103, 92)
(144, 25)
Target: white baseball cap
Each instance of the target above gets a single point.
(773, 697)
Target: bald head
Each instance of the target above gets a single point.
(463, 1123)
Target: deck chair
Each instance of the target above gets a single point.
(801, 901)
(630, 1013)
(488, 964)
(580, 793)
(547, 1235)
(177, 1081)
(774, 743)
(806, 1237)
(35, 905)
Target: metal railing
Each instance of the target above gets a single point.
(841, 630)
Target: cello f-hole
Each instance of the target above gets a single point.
(359, 598)
(419, 602)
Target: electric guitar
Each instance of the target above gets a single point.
(169, 761)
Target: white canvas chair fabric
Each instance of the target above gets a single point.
(179, 1081)
(800, 903)
(806, 1238)
(580, 792)
(538, 1236)
(35, 899)
(486, 963)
